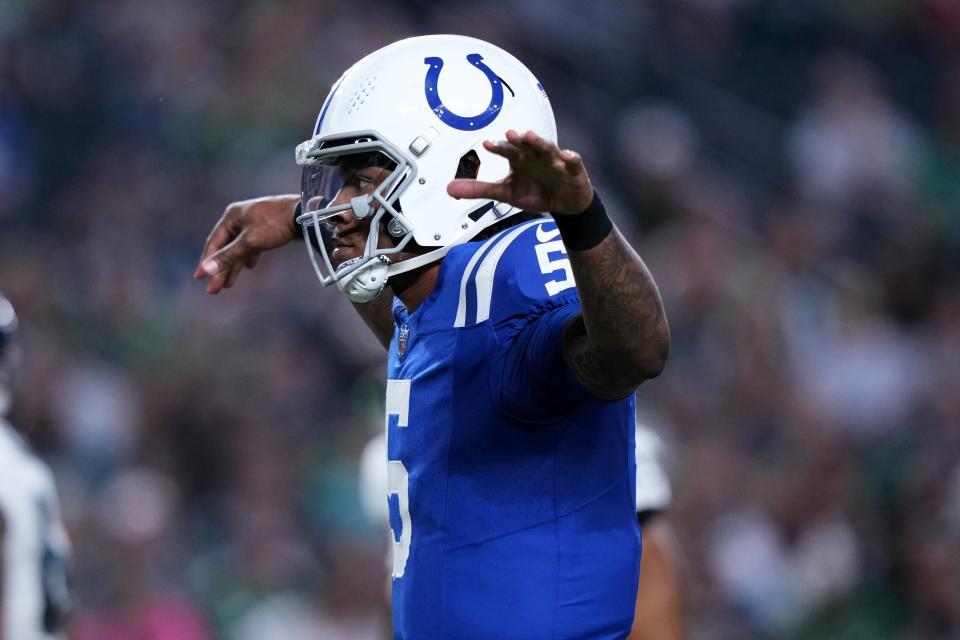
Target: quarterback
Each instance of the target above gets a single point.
(515, 339)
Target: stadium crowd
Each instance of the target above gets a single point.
(790, 171)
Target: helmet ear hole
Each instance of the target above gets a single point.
(395, 229)
(469, 166)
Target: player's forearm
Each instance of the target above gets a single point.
(622, 337)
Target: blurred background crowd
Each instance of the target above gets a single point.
(788, 169)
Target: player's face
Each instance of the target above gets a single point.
(350, 233)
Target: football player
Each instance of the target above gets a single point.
(515, 342)
(34, 595)
(659, 608)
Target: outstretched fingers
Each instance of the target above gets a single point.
(503, 149)
(224, 266)
(473, 189)
(524, 149)
(527, 145)
(572, 161)
(537, 166)
(539, 145)
(233, 274)
(218, 237)
(565, 159)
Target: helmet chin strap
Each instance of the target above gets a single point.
(418, 261)
(367, 282)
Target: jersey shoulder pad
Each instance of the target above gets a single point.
(517, 272)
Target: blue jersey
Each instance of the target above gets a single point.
(511, 488)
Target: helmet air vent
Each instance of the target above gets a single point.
(359, 97)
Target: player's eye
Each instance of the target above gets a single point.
(359, 182)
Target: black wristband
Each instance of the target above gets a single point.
(584, 230)
(297, 227)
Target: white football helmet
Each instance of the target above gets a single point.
(417, 107)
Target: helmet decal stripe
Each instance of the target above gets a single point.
(326, 105)
(449, 118)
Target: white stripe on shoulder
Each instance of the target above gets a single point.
(461, 319)
(489, 267)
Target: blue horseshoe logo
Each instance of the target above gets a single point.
(448, 117)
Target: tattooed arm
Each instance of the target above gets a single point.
(621, 338)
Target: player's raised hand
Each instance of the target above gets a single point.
(244, 231)
(542, 177)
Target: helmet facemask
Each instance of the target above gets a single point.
(329, 166)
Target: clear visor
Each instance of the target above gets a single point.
(351, 189)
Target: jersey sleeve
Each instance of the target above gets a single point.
(534, 298)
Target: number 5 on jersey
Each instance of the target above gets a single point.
(398, 498)
(550, 243)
